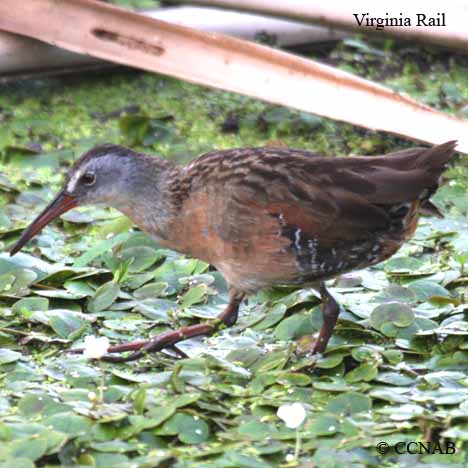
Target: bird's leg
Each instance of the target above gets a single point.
(231, 312)
(330, 311)
(168, 339)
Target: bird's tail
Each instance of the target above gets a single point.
(435, 161)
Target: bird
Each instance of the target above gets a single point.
(262, 217)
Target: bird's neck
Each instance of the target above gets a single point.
(151, 201)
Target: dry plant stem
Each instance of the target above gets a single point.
(23, 56)
(339, 14)
(114, 34)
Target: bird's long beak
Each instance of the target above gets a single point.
(62, 203)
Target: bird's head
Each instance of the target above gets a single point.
(105, 174)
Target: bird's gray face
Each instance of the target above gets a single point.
(102, 180)
(100, 176)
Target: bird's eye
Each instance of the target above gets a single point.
(88, 178)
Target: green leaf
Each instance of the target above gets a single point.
(245, 356)
(100, 248)
(425, 289)
(397, 293)
(365, 372)
(67, 324)
(185, 399)
(40, 404)
(139, 398)
(329, 361)
(68, 423)
(155, 309)
(189, 429)
(8, 355)
(134, 128)
(395, 313)
(405, 412)
(403, 265)
(117, 446)
(298, 325)
(79, 288)
(270, 361)
(156, 416)
(294, 379)
(24, 261)
(104, 297)
(240, 460)
(256, 430)
(150, 290)
(31, 448)
(55, 441)
(193, 296)
(6, 282)
(322, 425)
(349, 403)
(19, 462)
(30, 304)
(273, 316)
(13, 282)
(365, 353)
(143, 257)
(393, 356)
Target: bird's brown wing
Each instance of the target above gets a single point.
(281, 215)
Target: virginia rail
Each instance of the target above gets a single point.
(262, 216)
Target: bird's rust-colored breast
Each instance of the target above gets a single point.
(244, 245)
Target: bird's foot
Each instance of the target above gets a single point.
(166, 340)
(131, 346)
(169, 339)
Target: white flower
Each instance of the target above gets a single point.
(293, 415)
(95, 348)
